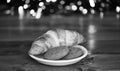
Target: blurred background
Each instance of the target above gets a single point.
(21, 21)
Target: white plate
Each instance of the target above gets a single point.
(62, 62)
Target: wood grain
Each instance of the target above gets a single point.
(103, 45)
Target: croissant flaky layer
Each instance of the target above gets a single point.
(55, 38)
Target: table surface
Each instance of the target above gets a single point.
(102, 42)
(95, 62)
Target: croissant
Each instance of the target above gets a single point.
(55, 38)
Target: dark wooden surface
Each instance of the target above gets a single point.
(102, 44)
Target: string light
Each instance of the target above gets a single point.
(25, 6)
(21, 12)
(92, 11)
(32, 12)
(43, 7)
(67, 7)
(117, 9)
(84, 11)
(48, 0)
(79, 3)
(81, 8)
(62, 2)
(102, 4)
(38, 14)
(41, 4)
(53, 0)
(8, 1)
(74, 7)
(92, 3)
(27, 1)
(7, 12)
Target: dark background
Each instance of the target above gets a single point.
(102, 34)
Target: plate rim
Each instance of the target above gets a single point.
(60, 61)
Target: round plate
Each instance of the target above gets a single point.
(62, 62)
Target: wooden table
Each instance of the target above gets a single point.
(17, 60)
(103, 44)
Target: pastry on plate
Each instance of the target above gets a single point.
(55, 38)
(73, 53)
(56, 53)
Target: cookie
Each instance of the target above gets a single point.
(73, 53)
(56, 53)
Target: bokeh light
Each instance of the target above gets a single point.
(92, 3)
(64, 7)
(21, 12)
(8, 1)
(25, 6)
(62, 2)
(84, 11)
(53, 0)
(74, 7)
(117, 9)
(81, 8)
(32, 12)
(38, 14)
(48, 0)
(67, 7)
(79, 3)
(92, 11)
(41, 4)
